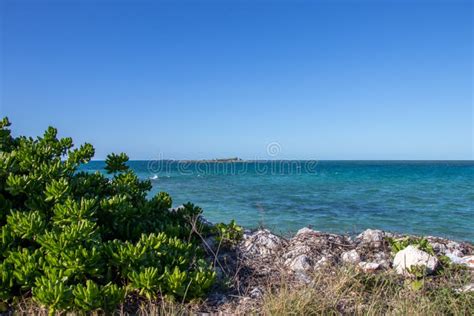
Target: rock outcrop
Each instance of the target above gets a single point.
(467, 261)
(372, 238)
(263, 257)
(350, 257)
(369, 266)
(411, 257)
(261, 243)
(309, 250)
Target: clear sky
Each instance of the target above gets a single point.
(206, 79)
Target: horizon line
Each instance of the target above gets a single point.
(253, 160)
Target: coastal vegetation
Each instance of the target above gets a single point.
(74, 240)
(229, 234)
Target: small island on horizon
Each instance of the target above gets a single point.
(232, 159)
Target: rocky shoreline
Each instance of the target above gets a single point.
(262, 256)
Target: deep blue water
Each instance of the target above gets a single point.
(420, 197)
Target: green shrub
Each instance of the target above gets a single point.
(418, 272)
(229, 234)
(82, 241)
(421, 243)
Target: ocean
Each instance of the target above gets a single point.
(415, 197)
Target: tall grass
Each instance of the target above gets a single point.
(349, 292)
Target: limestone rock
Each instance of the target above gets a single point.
(369, 266)
(447, 247)
(300, 263)
(467, 261)
(371, 237)
(412, 256)
(261, 243)
(307, 248)
(454, 248)
(382, 258)
(296, 250)
(322, 263)
(350, 257)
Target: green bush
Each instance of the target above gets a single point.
(397, 245)
(82, 241)
(230, 234)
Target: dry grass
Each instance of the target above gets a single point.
(348, 292)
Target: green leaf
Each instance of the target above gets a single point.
(116, 163)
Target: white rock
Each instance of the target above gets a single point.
(300, 263)
(468, 261)
(305, 230)
(261, 242)
(454, 248)
(455, 252)
(453, 245)
(446, 247)
(296, 251)
(369, 266)
(303, 277)
(322, 263)
(350, 257)
(382, 258)
(412, 256)
(455, 259)
(371, 237)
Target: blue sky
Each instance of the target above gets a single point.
(205, 79)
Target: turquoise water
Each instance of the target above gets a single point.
(417, 197)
